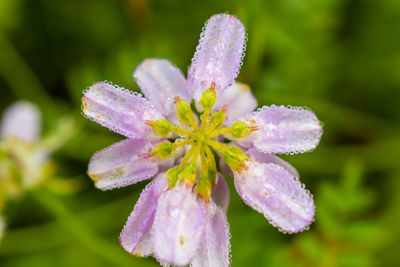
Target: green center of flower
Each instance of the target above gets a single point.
(198, 167)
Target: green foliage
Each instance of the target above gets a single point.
(339, 58)
(345, 233)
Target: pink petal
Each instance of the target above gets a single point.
(239, 100)
(219, 54)
(122, 164)
(274, 192)
(120, 110)
(21, 120)
(220, 195)
(261, 157)
(136, 237)
(215, 247)
(283, 130)
(160, 81)
(178, 226)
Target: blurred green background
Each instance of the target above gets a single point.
(340, 58)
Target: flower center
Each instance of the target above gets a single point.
(198, 167)
(200, 138)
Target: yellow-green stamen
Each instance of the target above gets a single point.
(201, 139)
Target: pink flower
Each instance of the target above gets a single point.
(180, 216)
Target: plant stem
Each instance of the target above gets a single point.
(84, 235)
(18, 75)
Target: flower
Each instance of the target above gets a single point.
(25, 162)
(20, 127)
(22, 161)
(180, 216)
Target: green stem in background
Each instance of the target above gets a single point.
(18, 75)
(54, 237)
(65, 128)
(83, 234)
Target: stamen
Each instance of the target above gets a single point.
(204, 123)
(217, 132)
(200, 139)
(172, 176)
(196, 153)
(162, 151)
(212, 170)
(182, 143)
(216, 120)
(186, 157)
(238, 130)
(236, 158)
(185, 113)
(210, 156)
(161, 127)
(203, 187)
(185, 172)
(179, 130)
(188, 174)
(207, 101)
(204, 167)
(208, 97)
(217, 145)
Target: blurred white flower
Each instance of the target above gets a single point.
(24, 159)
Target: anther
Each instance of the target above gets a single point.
(162, 151)
(216, 120)
(161, 127)
(240, 129)
(203, 188)
(185, 113)
(236, 158)
(172, 176)
(208, 97)
(188, 174)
